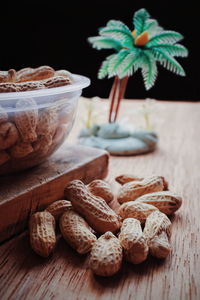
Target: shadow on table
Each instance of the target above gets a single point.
(129, 272)
(68, 262)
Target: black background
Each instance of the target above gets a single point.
(35, 33)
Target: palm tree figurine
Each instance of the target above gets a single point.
(142, 48)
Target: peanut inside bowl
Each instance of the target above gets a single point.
(34, 123)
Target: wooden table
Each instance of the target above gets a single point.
(65, 275)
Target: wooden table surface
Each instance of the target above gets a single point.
(65, 275)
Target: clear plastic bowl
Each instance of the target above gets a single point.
(33, 124)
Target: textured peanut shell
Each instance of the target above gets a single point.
(95, 210)
(133, 241)
(101, 188)
(76, 231)
(106, 255)
(31, 74)
(57, 208)
(3, 76)
(8, 87)
(42, 144)
(134, 189)
(8, 76)
(166, 201)
(156, 223)
(26, 120)
(47, 121)
(42, 233)
(160, 246)
(124, 178)
(157, 231)
(64, 73)
(56, 81)
(4, 157)
(8, 135)
(20, 150)
(133, 209)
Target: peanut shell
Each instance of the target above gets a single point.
(8, 135)
(26, 119)
(30, 74)
(133, 209)
(166, 201)
(42, 233)
(157, 231)
(95, 210)
(101, 188)
(134, 189)
(124, 178)
(76, 231)
(57, 208)
(20, 150)
(133, 241)
(56, 81)
(106, 255)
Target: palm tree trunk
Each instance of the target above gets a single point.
(112, 96)
(116, 95)
(123, 84)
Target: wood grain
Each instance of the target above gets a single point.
(65, 275)
(32, 190)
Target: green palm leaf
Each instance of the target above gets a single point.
(126, 68)
(99, 42)
(173, 50)
(139, 20)
(149, 69)
(103, 71)
(115, 62)
(165, 37)
(168, 62)
(152, 27)
(119, 25)
(118, 34)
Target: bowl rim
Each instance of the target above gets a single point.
(79, 83)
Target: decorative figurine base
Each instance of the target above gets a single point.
(118, 140)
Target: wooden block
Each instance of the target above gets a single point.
(24, 193)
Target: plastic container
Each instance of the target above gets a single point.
(33, 124)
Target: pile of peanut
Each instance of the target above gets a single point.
(28, 133)
(139, 228)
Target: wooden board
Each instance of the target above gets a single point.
(32, 190)
(65, 275)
